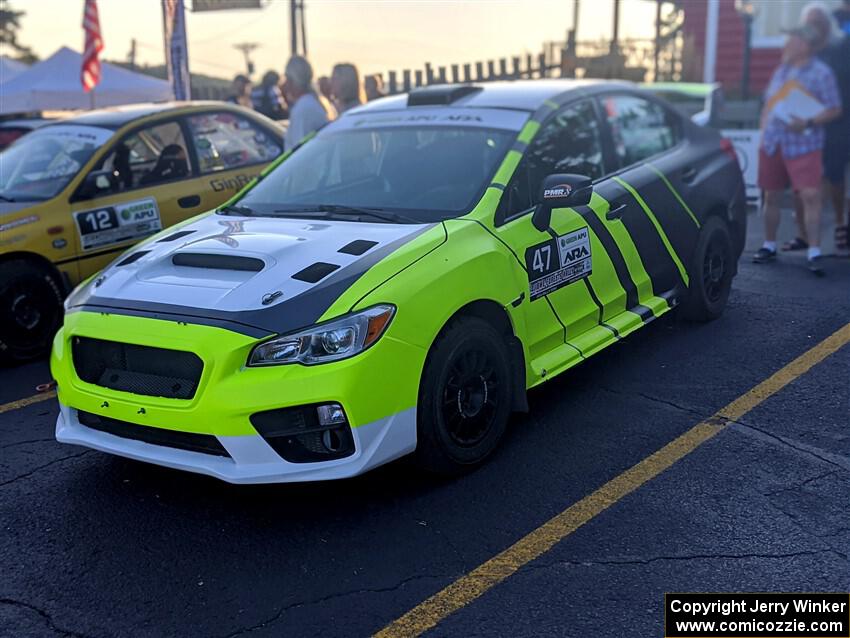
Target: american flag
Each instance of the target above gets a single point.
(90, 73)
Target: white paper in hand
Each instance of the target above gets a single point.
(798, 104)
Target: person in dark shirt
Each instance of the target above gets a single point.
(842, 15)
(241, 94)
(833, 48)
(268, 98)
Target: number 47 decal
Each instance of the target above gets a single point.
(537, 261)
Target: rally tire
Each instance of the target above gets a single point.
(711, 273)
(30, 310)
(464, 398)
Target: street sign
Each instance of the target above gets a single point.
(746, 143)
(224, 5)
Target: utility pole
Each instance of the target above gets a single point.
(303, 29)
(247, 48)
(615, 37)
(656, 54)
(572, 34)
(298, 43)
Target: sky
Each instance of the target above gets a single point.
(376, 35)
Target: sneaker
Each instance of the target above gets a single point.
(815, 266)
(763, 255)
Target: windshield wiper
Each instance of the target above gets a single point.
(235, 209)
(345, 211)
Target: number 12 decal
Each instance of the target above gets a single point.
(99, 220)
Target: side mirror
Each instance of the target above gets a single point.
(560, 190)
(98, 183)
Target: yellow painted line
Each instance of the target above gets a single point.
(22, 403)
(469, 587)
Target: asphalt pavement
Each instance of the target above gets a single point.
(93, 545)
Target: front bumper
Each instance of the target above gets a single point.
(378, 390)
(252, 460)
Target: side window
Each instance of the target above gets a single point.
(640, 128)
(147, 157)
(225, 140)
(570, 142)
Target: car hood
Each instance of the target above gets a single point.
(7, 208)
(259, 275)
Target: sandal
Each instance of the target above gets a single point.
(796, 244)
(841, 237)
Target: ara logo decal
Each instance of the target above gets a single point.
(556, 192)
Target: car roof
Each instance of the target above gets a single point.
(692, 89)
(27, 122)
(117, 116)
(520, 95)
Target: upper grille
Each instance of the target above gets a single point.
(155, 372)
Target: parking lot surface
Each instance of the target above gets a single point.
(94, 545)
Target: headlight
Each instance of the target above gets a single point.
(332, 341)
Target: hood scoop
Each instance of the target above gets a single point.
(218, 262)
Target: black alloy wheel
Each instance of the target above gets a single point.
(464, 397)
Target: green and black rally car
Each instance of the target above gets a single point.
(398, 282)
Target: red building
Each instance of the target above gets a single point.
(716, 31)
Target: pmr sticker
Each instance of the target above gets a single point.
(119, 223)
(558, 262)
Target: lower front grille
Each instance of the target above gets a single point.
(156, 372)
(297, 436)
(203, 443)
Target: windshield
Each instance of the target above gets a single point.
(423, 173)
(40, 165)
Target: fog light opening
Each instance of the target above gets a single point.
(332, 440)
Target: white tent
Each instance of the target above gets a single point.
(54, 84)
(10, 68)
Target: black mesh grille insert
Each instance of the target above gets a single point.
(155, 372)
(204, 443)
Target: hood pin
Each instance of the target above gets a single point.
(271, 296)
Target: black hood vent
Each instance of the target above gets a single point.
(218, 262)
(136, 256)
(173, 236)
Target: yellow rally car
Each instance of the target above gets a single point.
(77, 193)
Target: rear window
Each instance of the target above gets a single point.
(639, 127)
(225, 140)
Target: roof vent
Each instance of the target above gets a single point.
(440, 94)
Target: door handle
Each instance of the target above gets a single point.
(190, 201)
(616, 212)
(689, 174)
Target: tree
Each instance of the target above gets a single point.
(10, 23)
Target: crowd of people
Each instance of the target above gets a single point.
(811, 155)
(294, 97)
